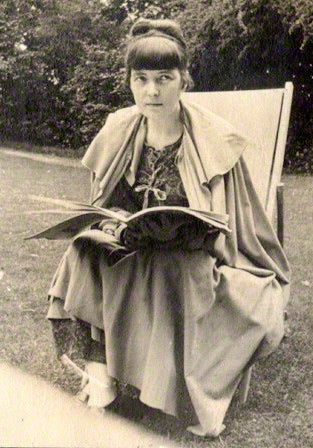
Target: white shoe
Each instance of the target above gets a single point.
(98, 388)
(198, 431)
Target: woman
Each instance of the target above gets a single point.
(179, 324)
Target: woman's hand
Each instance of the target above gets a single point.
(108, 225)
(133, 238)
(112, 226)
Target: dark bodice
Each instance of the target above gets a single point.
(157, 182)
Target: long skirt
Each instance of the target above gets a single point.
(178, 325)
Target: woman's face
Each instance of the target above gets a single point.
(157, 92)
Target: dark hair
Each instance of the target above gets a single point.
(156, 45)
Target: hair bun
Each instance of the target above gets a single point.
(162, 26)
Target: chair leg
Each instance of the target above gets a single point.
(280, 212)
(244, 385)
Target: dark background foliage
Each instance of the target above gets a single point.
(61, 61)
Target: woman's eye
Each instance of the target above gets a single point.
(165, 78)
(140, 78)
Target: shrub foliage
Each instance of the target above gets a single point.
(61, 62)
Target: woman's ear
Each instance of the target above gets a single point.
(183, 85)
(187, 82)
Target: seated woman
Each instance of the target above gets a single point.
(179, 323)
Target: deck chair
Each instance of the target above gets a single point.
(262, 116)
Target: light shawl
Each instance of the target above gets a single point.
(233, 299)
(210, 147)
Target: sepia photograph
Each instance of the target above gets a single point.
(156, 185)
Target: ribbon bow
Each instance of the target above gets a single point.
(158, 194)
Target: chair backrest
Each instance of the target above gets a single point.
(263, 117)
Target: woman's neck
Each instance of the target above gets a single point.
(161, 133)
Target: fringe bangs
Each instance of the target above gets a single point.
(155, 53)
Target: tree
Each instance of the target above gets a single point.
(243, 44)
(61, 64)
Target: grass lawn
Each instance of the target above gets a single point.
(279, 412)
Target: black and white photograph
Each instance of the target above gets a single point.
(156, 185)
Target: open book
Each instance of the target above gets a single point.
(163, 226)
(167, 220)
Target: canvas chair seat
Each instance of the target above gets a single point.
(263, 117)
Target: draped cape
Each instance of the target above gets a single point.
(231, 299)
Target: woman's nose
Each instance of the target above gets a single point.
(152, 89)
